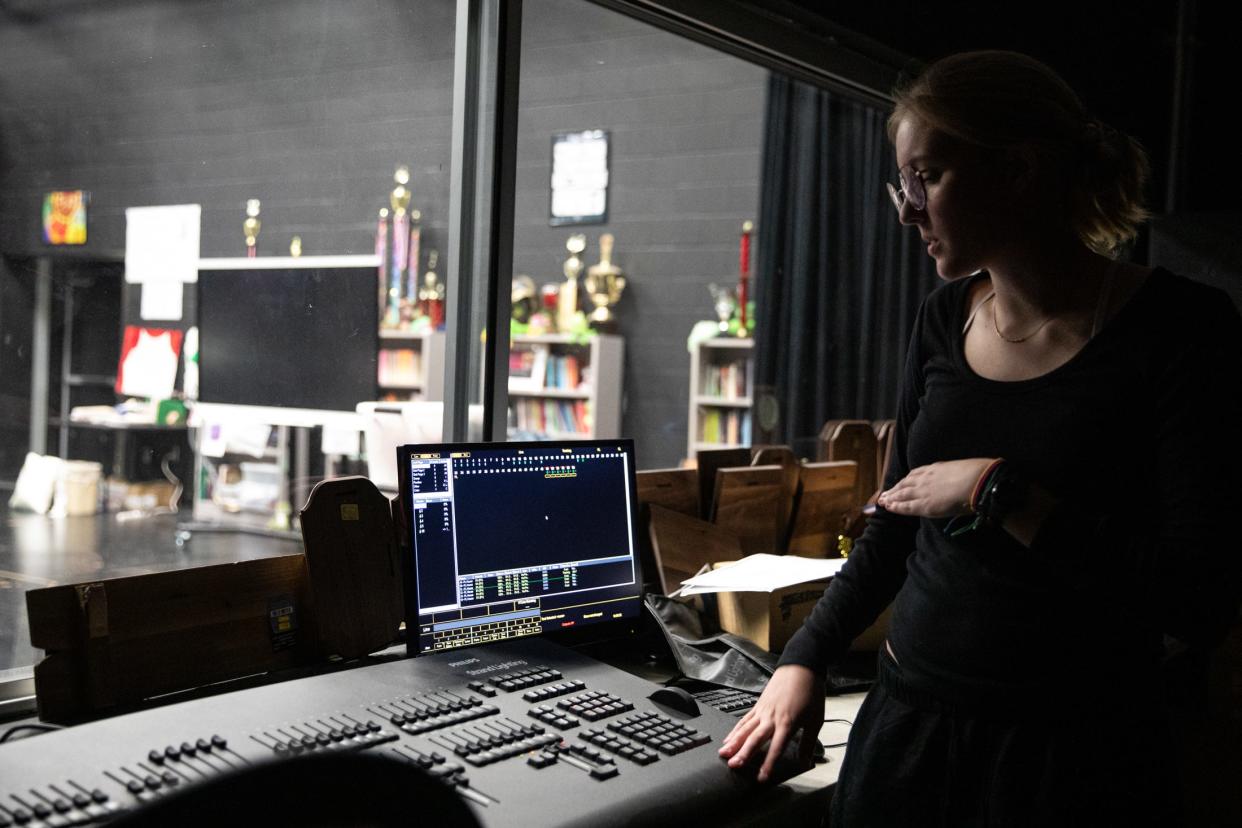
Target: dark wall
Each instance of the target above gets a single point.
(308, 105)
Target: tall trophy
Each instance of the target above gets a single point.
(743, 282)
(416, 252)
(604, 284)
(250, 227)
(567, 303)
(399, 199)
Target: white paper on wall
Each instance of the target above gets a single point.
(162, 243)
(161, 301)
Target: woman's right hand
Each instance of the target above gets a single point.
(793, 699)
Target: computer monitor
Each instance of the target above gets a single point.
(287, 333)
(514, 539)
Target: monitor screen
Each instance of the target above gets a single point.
(294, 337)
(516, 539)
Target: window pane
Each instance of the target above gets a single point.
(654, 143)
(308, 107)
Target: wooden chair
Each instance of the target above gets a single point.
(676, 489)
(853, 440)
(681, 544)
(751, 503)
(824, 502)
(821, 442)
(708, 462)
(784, 457)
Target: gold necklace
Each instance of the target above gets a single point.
(996, 325)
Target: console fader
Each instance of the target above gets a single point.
(514, 726)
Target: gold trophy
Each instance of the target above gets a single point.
(567, 305)
(250, 227)
(604, 284)
(295, 246)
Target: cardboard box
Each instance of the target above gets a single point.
(771, 618)
(768, 618)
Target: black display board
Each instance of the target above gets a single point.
(289, 337)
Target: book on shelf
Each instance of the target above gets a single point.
(727, 381)
(568, 416)
(730, 427)
(400, 366)
(563, 372)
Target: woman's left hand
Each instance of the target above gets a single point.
(937, 490)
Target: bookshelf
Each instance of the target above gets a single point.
(722, 381)
(411, 366)
(565, 388)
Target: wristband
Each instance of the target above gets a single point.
(1004, 491)
(981, 484)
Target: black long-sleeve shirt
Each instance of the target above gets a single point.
(1137, 436)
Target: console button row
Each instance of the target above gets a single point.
(627, 750)
(550, 715)
(594, 705)
(521, 679)
(552, 690)
(421, 723)
(173, 753)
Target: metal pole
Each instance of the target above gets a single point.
(463, 168)
(500, 258)
(40, 352)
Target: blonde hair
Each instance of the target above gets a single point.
(1000, 100)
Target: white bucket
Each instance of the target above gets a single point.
(77, 488)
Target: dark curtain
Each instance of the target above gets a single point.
(838, 279)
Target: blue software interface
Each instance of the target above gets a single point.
(517, 539)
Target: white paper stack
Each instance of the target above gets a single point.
(761, 573)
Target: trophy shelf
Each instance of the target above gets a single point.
(721, 394)
(563, 387)
(410, 366)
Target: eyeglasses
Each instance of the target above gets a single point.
(911, 191)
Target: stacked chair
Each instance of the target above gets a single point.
(738, 502)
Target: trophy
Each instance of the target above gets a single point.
(724, 303)
(399, 199)
(743, 282)
(567, 303)
(431, 294)
(295, 246)
(604, 283)
(250, 227)
(415, 247)
(523, 299)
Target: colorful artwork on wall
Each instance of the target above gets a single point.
(64, 217)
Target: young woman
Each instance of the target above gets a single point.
(1066, 462)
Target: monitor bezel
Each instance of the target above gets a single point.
(579, 636)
